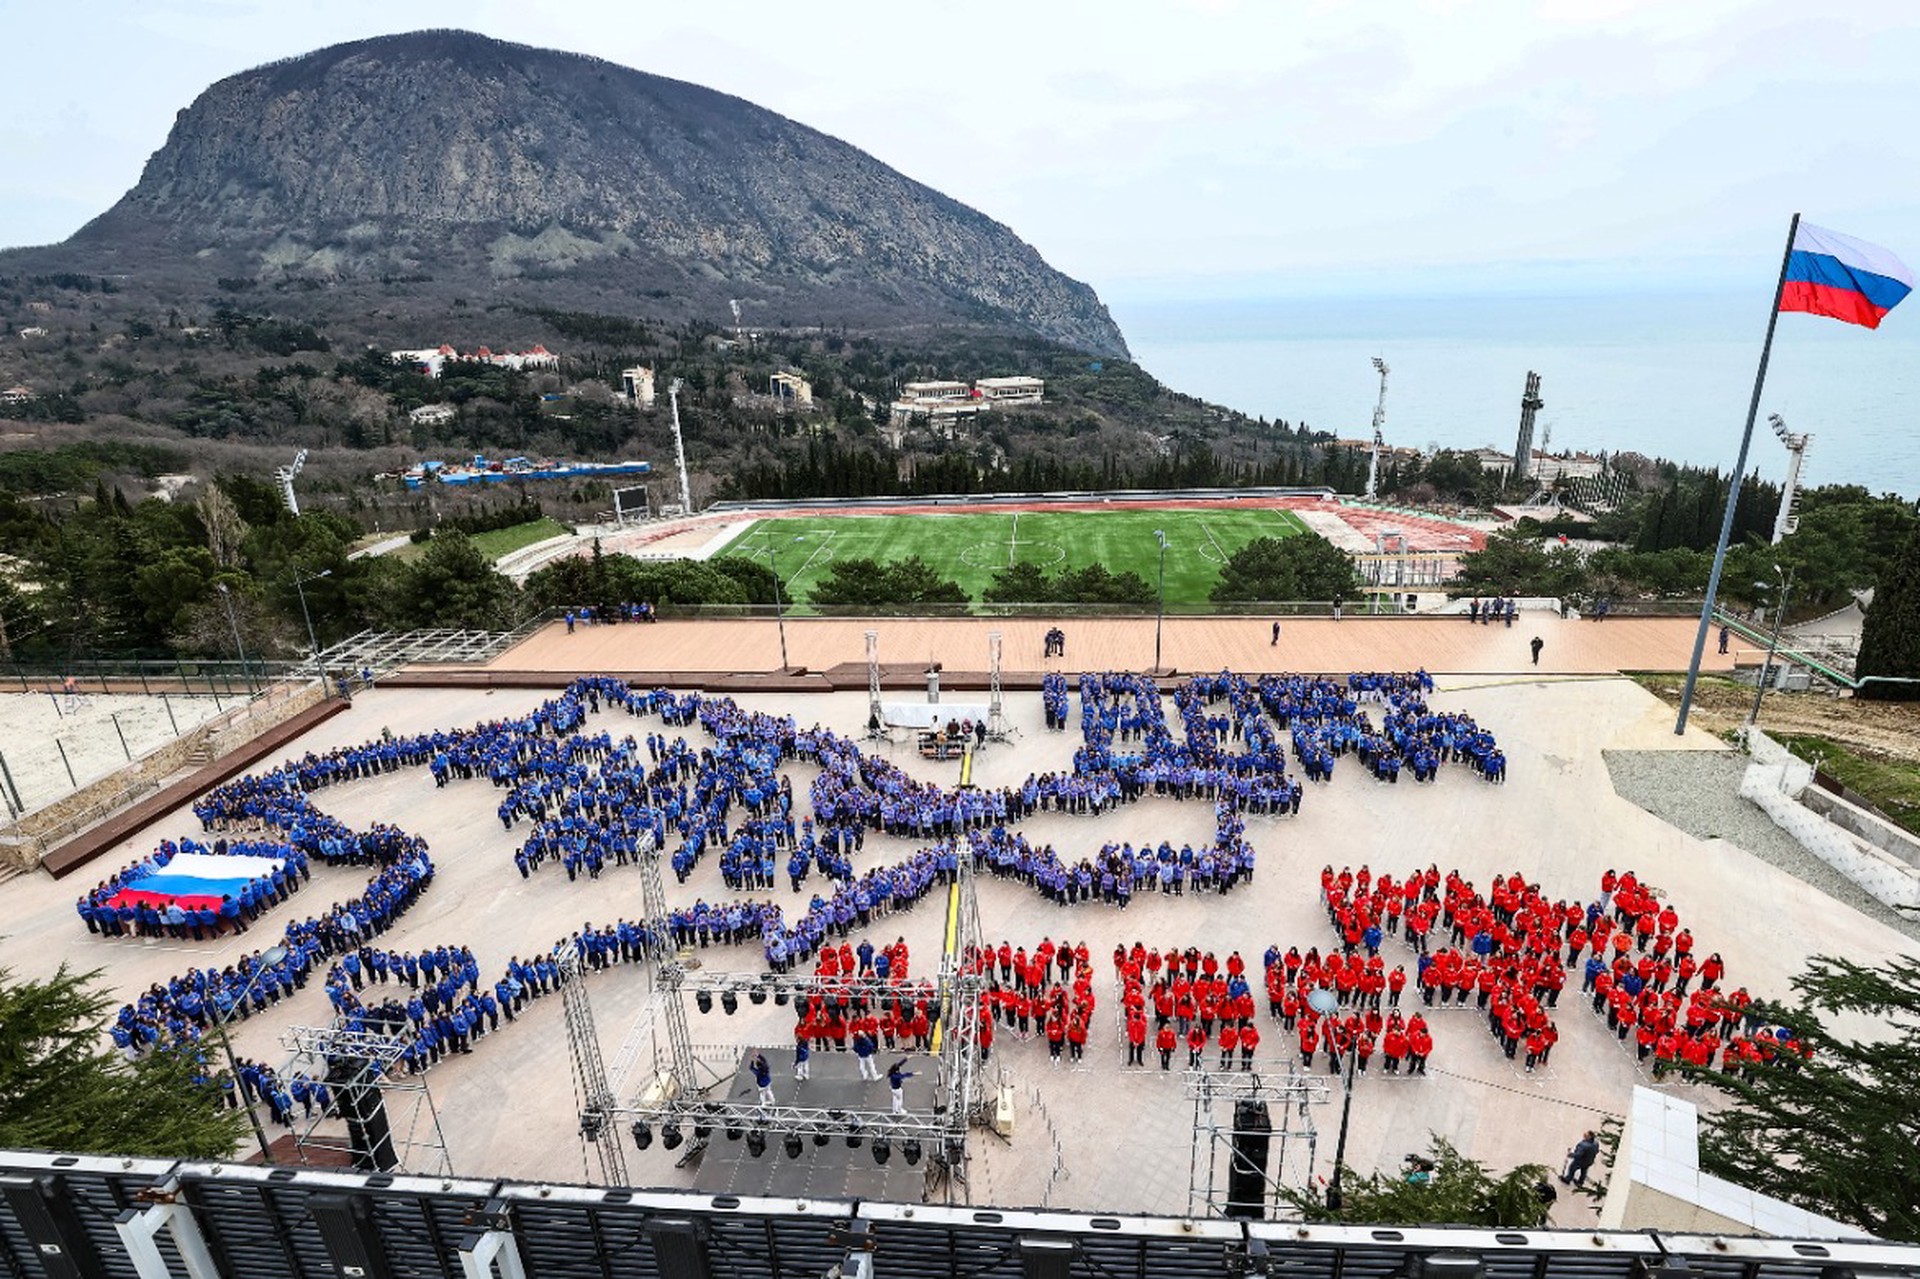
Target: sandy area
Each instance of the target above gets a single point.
(36, 727)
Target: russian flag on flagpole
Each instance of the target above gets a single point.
(1842, 278)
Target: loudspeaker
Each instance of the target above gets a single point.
(1247, 1170)
(353, 1243)
(48, 1227)
(369, 1135)
(679, 1248)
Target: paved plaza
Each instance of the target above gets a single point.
(1096, 1136)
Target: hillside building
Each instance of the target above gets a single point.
(1011, 390)
(1545, 467)
(433, 360)
(18, 394)
(790, 390)
(433, 415)
(32, 331)
(636, 384)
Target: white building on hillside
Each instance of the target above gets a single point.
(791, 389)
(1011, 390)
(636, 384)
(433, 360)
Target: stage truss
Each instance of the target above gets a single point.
(675, 1091)
(413, 1121)
(998, 728)
(1287, 1096)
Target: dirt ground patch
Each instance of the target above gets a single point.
(1891, 729)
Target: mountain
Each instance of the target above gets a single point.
(480, 169)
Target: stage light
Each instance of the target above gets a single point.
(702, 1131)
(757, 993)
(729, 1002)
(881, 1150)
(590, 1125)
(792, 1143)
(703, 1000)
(855, 1134)
(910, 1151)
(821, 1137)
(734, 1130)
(756, 1143)
(670, 1136)
(642, 1135)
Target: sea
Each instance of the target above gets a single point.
(1668, 375)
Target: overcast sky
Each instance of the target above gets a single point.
(1181, 148)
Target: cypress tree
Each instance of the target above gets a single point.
(1890, 640)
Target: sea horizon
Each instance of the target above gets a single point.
(1666, 373)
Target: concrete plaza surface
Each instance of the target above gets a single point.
(1443, 645)
(1123, 1136)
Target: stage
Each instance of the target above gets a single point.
(831, 1171)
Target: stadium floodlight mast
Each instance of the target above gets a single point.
(246, 671)
(299, 587)
(779, 607)
(1160, 616)
(1326, 1003)
(269, 958)
(1785, 584)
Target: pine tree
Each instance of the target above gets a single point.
(1890, 639)
(62, 1087)
(1839, 1134)
(1451, 1190)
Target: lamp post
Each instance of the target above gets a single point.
(1325, 1002)
(226, 598)
(299, 588)
(779, 607)
(1773, 643)
(1160, 615)
(270, 958)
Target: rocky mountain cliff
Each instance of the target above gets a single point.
(494, 170)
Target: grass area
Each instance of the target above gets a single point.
(497, 542)
(1891, 785)
(505, 541)
(970, 548)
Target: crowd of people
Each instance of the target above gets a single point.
(1046, 991)
(595, 802)
(110, 908)
(609, 615)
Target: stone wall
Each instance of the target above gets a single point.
(27, 840)
(1776, 781)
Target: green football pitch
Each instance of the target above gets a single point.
(970, 548)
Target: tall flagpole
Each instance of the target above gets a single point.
(1733, 488)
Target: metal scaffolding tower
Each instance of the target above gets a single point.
(360, 1068)
(998, 729)
(590, 1089)
(1213, 1134)
(283, 477)
(1379, 421)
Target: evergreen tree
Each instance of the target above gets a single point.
(1890, 639)
(1840, 1133)
(1451, 1190)
(1286, 568)
(63, 1088)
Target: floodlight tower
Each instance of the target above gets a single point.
(1789, 519)
(680, 449)
(1379, 420)
(283, 476)
(1530, 404)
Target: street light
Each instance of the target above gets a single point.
(1160, 616)
(779, 608)
(1773, 644)
(270, 958)
(1325, 1002)
(299, 583)
(226, 598)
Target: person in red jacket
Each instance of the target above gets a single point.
(984, 1037)
(1394, 1046)
(1396, 982)
(1229, 1044)
(1419, 1046)
(1056, 1036)
(1249, 1045)
(1196, 1044)
(1309, 1042)
(1166, 1042)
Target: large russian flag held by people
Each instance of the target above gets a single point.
(194, 880)
(1843, 278)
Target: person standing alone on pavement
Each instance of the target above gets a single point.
(1579, 1159)
(1536, 646)
(1275, 642)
